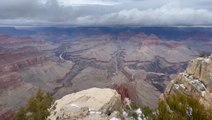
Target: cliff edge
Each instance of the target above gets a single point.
(195, 81)
(90, 104)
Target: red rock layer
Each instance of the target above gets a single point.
(146, 40)
(9, 115)
(126, 90)
(20, 64)
(143, 39)
(122, 90)
(10, 82)
(7, 41)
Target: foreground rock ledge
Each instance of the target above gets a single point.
(90, 104)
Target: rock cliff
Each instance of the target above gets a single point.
(10, 81)
(195, 81)
(91, 104)
(15, 66)
(95, 104)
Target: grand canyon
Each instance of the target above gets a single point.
(138, 62)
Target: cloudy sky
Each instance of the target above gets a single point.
(106, 12)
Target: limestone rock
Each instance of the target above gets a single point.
(195, 81)
(90, 104)
(201, 68)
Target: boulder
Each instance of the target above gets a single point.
(90, 104)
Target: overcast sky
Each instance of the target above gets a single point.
(106, 12)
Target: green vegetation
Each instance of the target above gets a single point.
(181, 107)
(147, 111)
(174, 107)
(131, 110)
(37, 107)
(134, 106)
(134, 115)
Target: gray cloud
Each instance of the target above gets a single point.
(106, 12)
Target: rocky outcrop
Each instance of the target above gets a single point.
(96, 104)
(201, 68)
(195, 81)
(90, 104)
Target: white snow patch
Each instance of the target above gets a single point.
(125, 114)
(140, 114)
(210, 76)
(99, 113)
(114, 118)
(138, 111)
(139, 118)
(207, 60)
(182, 86)
(203, 93)
(200, 58)
(176, 86)
(74, 105)
(93, 112)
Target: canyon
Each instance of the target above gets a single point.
(137, 62)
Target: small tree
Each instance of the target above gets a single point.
(37, 107)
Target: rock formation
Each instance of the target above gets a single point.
(195, 81)
(140, 63)
(90, 104)
(10, 81)
(95, 104)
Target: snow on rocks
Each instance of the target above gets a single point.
(176, 86)
(182, 86)
(203, 93)
(93, 112)
(74, 105)
(210, 76)
(194, 82)
(124, 113)
(114, 118)
(90, 103)
(139, 113)
(207, 60)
